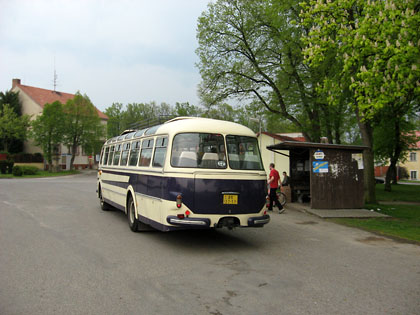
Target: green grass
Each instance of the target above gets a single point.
(41, 174)
(404, 222)
(399, 192)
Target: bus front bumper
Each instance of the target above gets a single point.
(259, 221)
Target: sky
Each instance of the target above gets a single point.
(113, 51)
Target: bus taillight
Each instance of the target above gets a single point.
(178, 201)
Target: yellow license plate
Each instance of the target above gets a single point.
(230, 199)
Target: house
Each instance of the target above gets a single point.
(281, 160)
(33, 100)
(412, 163)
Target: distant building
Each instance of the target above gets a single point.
(412, 163)
(33, 100)
(280, 160)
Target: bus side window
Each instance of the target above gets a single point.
(117, 154)
(111, 155)
(134, 153)
(160, 152)
(124, 155)
(146, 152)
(105, 160)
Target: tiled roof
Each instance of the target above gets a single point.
(418, 137)
(43, 96)
(284, 138)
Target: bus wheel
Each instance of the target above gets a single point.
(131, 214)
(104, 206)
(134, 224)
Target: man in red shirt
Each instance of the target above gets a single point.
(273, 181)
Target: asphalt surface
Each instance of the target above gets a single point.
(60, 254)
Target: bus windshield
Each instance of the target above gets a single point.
(243, 153)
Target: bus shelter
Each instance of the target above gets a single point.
(327, 176)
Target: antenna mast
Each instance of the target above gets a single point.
(55, 77)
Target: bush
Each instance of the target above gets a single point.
(9, 164)
(6, 166)
(3, 166)
(17, 171)
(28, 158)
(29, 170)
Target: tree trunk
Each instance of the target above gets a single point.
(368, 160)
(73, 155)
(390, 175)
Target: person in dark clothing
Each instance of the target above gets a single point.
(273, 181)
(285, 181)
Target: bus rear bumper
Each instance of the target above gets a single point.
(258, 221)
(189, 222)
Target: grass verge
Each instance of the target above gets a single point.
(403, 223)
(41, 174)
(404, 220)
(399, 192)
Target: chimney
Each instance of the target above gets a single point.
(15, 82)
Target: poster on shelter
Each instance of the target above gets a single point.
(358, 157)
(320, 167)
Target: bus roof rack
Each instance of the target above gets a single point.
(127, 131)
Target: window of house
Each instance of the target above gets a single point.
(134, 153)
(413, 174)
(413, 156)
(124, 155)
(146, 152)
(160, 152)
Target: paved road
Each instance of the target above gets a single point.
(59, 254)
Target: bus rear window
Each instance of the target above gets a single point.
(201, 150)
(243, 153)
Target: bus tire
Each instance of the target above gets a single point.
(135, 224)
(104, 206)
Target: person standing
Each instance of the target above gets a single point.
(273, 181)
(285, 181)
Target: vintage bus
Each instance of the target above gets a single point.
(186, 173)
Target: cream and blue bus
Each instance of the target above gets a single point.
(187, 173)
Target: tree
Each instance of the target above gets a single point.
(393, 139)
(251, 51)
(114, 123)
(48, 131)
(185, 109)
(82, 125)
(12, 98)
(377, 43)
(12, 126)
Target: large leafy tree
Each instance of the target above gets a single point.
(48, 131)
(377, 43)
(12, 126)
(82, 126)
(114, 125)
(12, 99)
(251, 51)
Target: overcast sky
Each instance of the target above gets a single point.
(114, 51)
